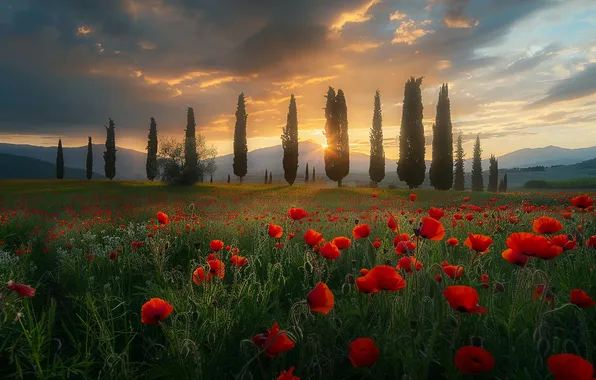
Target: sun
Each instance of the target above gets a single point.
(324, 145)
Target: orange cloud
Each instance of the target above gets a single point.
(409, 31)
(356, 16)
(397, 16)
(460, 22)
(361, 47)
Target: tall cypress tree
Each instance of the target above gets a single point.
(151, 166)
(240, 164)
(477, 180)
(266, 177)
(89, 170)
(459, 180)
(493, 174)
(337, 153)
(411, 167)
(441, 175)
(344, 137)
(109, 156)
(228, 178)
(376, 169)
(503, 184)
(313, 175)
(289, 140)
(306, 174)
(60, 161)
(190, 174)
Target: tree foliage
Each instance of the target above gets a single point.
(289, 140)
(411, 167)
(89, 163)
(151, 166)
(441, 173)
(477, 180)
(190, 174)
(171, 160)
(337, 153)
(376, 169)
(240, 164)
(109, 156)
(60, 161)
(493, 175)
(459, 181)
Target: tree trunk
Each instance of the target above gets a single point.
(241, 179)
(339, 183)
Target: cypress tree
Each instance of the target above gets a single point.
(376, 169)
(151, 166)
(503, 184)
(477, 180)
(306, 174)
(459, 181)
(266, 177)
(493, 174)
(190, 174)
(337, 153)
(109, 156)
(313, 175)
(411, 167)
(289, 140)
(441, 175)
(89, 171)
(240, 145)
(228, 178)
(211, 180)
(60, 161)
(270, 178)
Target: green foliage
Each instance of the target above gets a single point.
(376, 170)
(411, 167)
(441, 173)
(109, 156)
(306, 174)
(459, 178)
(573, 184)
(190, 171)
(60, 161)
(240, 164)
(151, 166)
(337, 153)
(289, 140)
(493, 176)
(477, 179)
(89, 166)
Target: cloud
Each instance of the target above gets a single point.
(397, 16)
(454, 16)
(409, 31)
(580, 85)
(357, 15)
(530, 62)
(361, 47)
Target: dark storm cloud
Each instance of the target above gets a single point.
(577, 86)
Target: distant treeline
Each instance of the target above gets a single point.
(575, 184)
(525, 170)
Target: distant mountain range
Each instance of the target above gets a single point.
(19, 167)
(130, 164)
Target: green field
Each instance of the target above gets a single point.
(73, 242)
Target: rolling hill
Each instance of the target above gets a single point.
(19, 167)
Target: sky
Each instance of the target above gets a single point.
(522, 73)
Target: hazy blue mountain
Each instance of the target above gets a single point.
(20, 167)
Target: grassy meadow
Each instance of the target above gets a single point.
(96, 252)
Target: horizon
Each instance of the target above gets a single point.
(518, 80)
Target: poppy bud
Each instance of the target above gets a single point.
(499, 287)
(356, 221)
(215, 303)
(417, 231)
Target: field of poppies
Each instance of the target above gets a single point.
(129, 280)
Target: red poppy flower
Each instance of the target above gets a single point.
(330, 251)
(513, 220)
(392, 223)
(399, 238)
(463, 299)
(453, 242)
(570, 367)
(363, 352)
(469, 217)
(515, 257)
(452, 271)
(216, 245)
(239, 261)
(367, 284)
(342, 242)
(582, 201)
(581, 299)
(155, 310)
(216, 267)
(277, 342)
(432, 229)
(376, 244)
(198, 276)
(405, 246)
(546, 225)
(564, 242)
(387, 278)
(409, 264)
(275, 231)
(530, 244)
(22, 289)
(473, 360)
(162, 218)
(361, 231)
(297, 213)
(436, 213)
(484, 280)
(321, 299)
(539, 293)
(288, 375)
(478, 243)
(591, 242)
(312, 237)
(413, 197)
